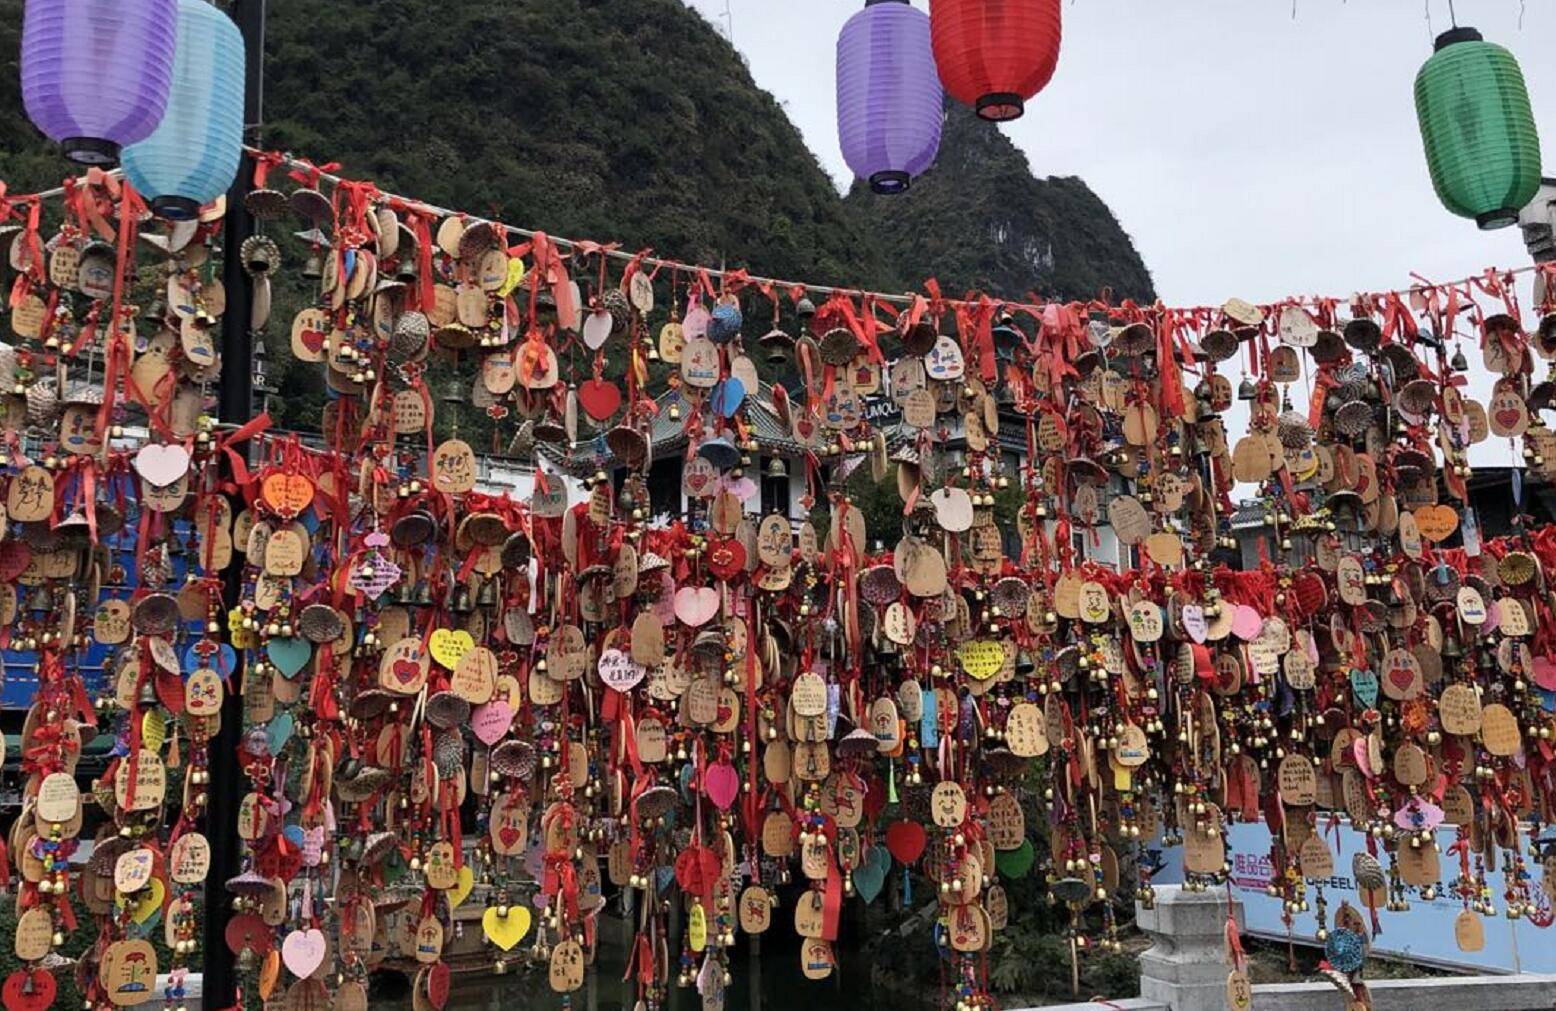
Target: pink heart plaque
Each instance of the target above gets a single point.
(696, 605)
(722, 784)
(491, 721)
(303, 951)
(1246, 623)
(160, 464)
(1545, 673)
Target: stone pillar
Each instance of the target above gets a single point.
(1186, 966)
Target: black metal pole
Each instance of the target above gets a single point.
(219, 986)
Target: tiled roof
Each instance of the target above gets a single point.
(1248, 515)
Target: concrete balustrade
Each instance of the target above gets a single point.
(1185, 969)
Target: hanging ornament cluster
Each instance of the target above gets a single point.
(1478, 128)
(474, 717)
(116, 532)
(769, 718)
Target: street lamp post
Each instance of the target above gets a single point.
(236, 406)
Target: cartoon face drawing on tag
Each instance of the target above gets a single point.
(1507, 413)
(78, 430)
(944, 360)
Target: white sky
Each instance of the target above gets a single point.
(1248, 152)
(1251, 148)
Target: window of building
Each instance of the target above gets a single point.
(664, 488)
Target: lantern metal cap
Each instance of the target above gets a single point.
(90, 150)
(1455, 35)
(175, 208)
(1000, 106)
(1504, 217)
(890, 181)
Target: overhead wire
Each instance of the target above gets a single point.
(900, 298)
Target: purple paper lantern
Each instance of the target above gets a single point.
(888, 95)
(96, 73)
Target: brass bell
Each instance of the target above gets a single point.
(424, 594)
(778, 345)
(1007, 336)
(1459, 363)
(1451, 647)
(454, 392)
(313, 266)
(1246, 389)
(405, 273)
(486, 596)
(260, 254)
(777, 468)
(155, 311)
(719, 452)
(461, 601)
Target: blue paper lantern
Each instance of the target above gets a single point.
(96, 73)
(889, 101)
(193, 156)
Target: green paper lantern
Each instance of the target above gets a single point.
(1476, 123)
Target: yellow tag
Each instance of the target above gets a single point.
(269, 973)
(981, 658)
(462, 887)
(242, 638)
(697, 927)
(149, 901)
(506, 931)
(1121, 778)
(515, 275)
(449, 647)
(153, 730)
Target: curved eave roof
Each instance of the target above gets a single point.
(668, 436)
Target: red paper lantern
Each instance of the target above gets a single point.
(995, 54)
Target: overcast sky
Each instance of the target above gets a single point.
(1252, 148)
(1249, 153)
